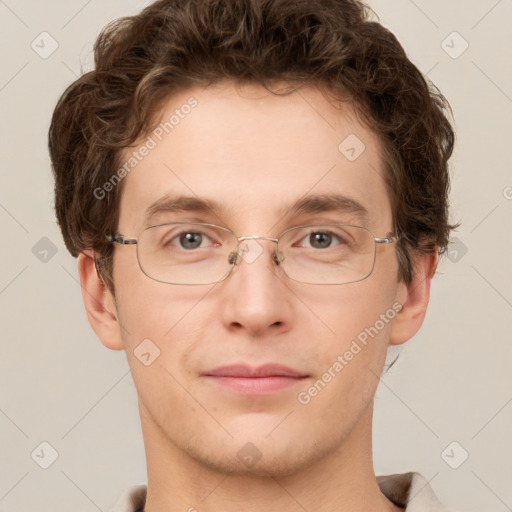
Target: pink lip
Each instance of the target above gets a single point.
(255, 381)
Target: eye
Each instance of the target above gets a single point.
(190, 240)
(321, 240)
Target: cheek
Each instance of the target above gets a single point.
(161, 327)
(350, 359)
(352, 352)
(148, 308)
(341, 313)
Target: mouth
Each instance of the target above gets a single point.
(260, 380)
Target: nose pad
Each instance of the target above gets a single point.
(243, 251)
(233, 257)
(278, 257)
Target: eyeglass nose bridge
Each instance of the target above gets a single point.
(233, 257)
(254, 237)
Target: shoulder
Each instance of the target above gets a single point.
(132, 499)
(412, 491)
(409, 490)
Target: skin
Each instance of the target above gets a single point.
(254, 152)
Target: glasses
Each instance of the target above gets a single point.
(200, 253)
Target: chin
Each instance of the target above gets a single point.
(262, 458)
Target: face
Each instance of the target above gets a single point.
(255, 154)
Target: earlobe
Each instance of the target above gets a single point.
(414, 298)
(99, 303)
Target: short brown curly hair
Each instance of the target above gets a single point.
(173, 44)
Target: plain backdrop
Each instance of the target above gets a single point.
(444, 409)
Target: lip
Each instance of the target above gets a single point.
(259, 380)
(244, 370)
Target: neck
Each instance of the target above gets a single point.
(342, 481)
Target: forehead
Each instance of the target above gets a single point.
(249, 155)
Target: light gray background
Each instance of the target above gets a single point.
(453, 381)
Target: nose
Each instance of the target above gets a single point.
(256, 298)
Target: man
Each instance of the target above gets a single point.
(256, 192)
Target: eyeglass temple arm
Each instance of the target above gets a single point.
(120, 240)
(389, 240)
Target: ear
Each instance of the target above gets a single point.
(413, 297)
(99, 303)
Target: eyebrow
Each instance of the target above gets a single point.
(312, 204)
(329, 203)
